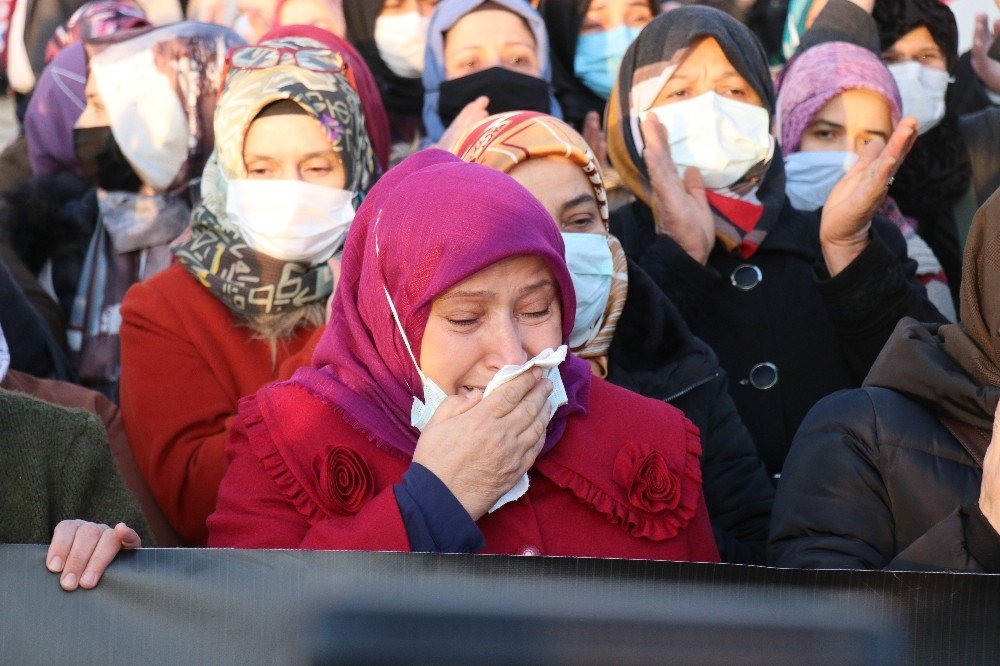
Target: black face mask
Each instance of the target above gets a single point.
(102, 161)
(507, 90)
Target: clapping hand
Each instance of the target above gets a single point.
(849, 209)
(680, 206)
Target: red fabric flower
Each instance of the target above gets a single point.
(345, 480)
(651, 485)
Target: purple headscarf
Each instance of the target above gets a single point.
(55, 106)
(820, 74)
(428, 224)
(59, 98)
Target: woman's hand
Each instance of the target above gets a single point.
(680, 206)
(847, 215)
(480, 447)
(81, 551)
(594, 136)
(989, 492)
(986, 68)
(472, 113)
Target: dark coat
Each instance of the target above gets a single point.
(820, 333)
(654, 353)
(875, 479)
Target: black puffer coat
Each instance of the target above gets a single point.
(876, 480)
(653, 353)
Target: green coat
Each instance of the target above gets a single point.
(55, 464)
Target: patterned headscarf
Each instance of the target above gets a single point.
(745, 214)
(95, 19)
(507, 139)
(376, 118)
(214, 252)
(412, 239)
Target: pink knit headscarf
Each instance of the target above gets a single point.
(818, 75)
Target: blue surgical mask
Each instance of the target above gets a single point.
(588, 258)
(598, 56)
(811, 175)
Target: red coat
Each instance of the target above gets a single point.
(185, 365)
(301, 477)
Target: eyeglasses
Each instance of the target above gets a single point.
(315, 60)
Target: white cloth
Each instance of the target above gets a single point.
(20, 76)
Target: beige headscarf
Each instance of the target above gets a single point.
(505, 140)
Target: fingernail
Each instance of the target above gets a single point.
(69, 581)
(89, 579)
(56, 564)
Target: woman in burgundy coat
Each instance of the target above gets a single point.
(453, 283)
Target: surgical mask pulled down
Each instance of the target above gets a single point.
(722, 138)
(922, 90)
(290, 220)
(422, 410)
(810, 176)
(598, 56)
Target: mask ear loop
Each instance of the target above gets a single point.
(392, 307)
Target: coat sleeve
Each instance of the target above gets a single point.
(176, 412)
(738, 491)
(868, 298)
(254, 512)
(833, 511)
(89, 485)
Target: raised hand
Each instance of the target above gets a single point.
(680, 206)
(472, 113)
(81, 551)
(847, 215)
(480, 447)
(989, 492)
(986, 68)
(594, 136)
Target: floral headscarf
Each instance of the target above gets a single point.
(214, 252)
(507, 139)
(95, 19)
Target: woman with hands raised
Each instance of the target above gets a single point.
(795, 306)
(443, 412)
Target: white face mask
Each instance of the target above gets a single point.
(811, 175)
(720, 137)
(922, 90)
(290, 220)
(588, 258)
(401, 41)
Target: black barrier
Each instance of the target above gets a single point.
(245, 607)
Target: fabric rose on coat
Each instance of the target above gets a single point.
(651, 485)
(345, 480)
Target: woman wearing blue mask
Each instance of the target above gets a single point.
(795, 306)
(246, 301)
(833, 100)
(589, 38)
(484, 57)
(626, 327)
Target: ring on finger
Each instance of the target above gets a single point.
(888, 184)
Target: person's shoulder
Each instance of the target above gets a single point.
(37, 424)
(297, 423)
(170, 291)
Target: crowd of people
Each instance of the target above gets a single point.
(601, 278)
